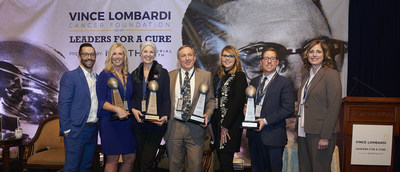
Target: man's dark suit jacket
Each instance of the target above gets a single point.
(278, 105)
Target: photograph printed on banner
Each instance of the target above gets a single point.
(252, 26)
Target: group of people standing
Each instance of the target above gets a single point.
(86, 106)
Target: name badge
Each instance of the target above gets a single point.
(258, 111)
(143, 105)
(126, 105)
(178, 115)
(179, 105)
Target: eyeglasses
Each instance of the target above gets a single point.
(88, 54)
(269, 58)
(228, 56)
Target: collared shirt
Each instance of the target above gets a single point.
(91, 80)
(178, 83)
(269, 77)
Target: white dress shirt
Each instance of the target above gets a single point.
(178, 114)
(91, 80)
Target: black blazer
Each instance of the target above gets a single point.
(278, 105)
(234, 115)
(158, 73)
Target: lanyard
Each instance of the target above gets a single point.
(180, 80)
(308, 84)
(266, 88)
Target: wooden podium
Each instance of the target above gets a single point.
(365, 110)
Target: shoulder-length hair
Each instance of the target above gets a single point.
(327, 62)
(109, 67)
(237, 67)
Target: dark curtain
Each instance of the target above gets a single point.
(374, 35)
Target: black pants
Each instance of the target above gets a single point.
(147, 146)
(225, 161)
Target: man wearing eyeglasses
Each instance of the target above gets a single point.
(77, 106)
(274, 103)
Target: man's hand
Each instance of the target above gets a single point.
(205, 116)
(261, 124)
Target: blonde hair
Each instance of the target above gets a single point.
(109, 67)
(237, 67)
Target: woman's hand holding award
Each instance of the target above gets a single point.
(115, 96)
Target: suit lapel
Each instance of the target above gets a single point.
(272, 84)
(173, 78)
(197, 80)
(83, 81)
(257, 82)
(315, 81)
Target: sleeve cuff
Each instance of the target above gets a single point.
(266, 123)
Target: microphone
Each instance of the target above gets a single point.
(366, 85)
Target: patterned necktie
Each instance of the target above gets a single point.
(186, 98)
(260, 90)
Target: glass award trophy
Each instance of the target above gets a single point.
(250, 119)
(151, 113)
(115, 96)
(199, 110)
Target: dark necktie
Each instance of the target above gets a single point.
(260, 90)
(186, 98)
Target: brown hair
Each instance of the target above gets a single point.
(182, 47)
(327, 62)
(236, 67)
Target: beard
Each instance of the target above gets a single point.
(86, 65)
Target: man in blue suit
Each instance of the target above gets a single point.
(77, 107)
(274, 103)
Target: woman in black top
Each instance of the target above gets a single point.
(230, 84)
(149, 134)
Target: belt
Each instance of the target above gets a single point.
(91, 123)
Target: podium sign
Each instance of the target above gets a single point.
(371, 145)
